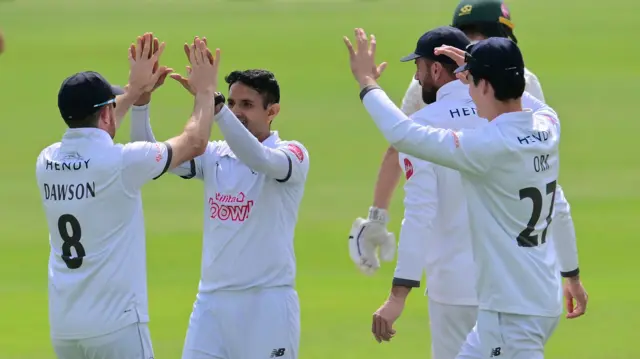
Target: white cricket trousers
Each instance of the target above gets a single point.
(130, 342)
(508, 336)
(249, 324)
(450, 325)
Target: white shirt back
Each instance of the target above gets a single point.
(510, 183)
(90, 189)
(436, 222)
(509, 170)
(249, 219)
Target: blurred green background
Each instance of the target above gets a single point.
(582, 52)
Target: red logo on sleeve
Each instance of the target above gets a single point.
(296, 151)
(456, 139)
(553, 120)
(159, 154)
(408, 168)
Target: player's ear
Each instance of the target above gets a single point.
(104, 114)
(437, 71)
(484, 86)
(273, 111)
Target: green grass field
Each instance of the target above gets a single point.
(582, 52)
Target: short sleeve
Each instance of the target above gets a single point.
(144, 161)
(196, 167)
(298, 158)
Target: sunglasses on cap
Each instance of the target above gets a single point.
(111, 101)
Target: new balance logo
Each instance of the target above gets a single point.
(495, 352)
(276, 353)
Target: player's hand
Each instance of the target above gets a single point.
(363, 57)
(384, 317)
(143, 61)
(576, 298)
(160, 72)
(367, 238)
(457, 55)
(203, 63)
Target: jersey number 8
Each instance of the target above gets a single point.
(71, 240)
(525, 238)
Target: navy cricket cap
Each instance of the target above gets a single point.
(444, 35)
(83, 94)
(495, 56)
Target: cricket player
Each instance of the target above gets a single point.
(435, 232)
(478, 19)
(246, 306)
(90, 189)
(509, 171)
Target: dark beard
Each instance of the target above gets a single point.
(429, 94)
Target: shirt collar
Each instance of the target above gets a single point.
(271, 142)
(455, 87)
(94, 134)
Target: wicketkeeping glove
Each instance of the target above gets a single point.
(368, 237)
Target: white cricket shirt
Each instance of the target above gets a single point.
(412, 100)
(436, 222)
(509, 170)
(90, 189)
(252, 195)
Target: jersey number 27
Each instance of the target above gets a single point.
(71, 239)
(526, 238)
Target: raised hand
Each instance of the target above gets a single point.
(362, 57)
(145, 74)
(457, 55)
(202, 74)
(160, 72)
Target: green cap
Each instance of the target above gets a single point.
(471, 12)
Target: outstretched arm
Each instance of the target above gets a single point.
(286, 163)
(466, 151)
(141, 131)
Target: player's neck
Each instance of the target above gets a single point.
(262, 135)
(502, 107)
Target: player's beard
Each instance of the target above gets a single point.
(429, 90)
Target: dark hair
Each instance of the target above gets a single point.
(509, 86)
(489, 29)
(262, 81)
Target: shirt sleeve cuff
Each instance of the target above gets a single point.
(400, 282)
(140, 108)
